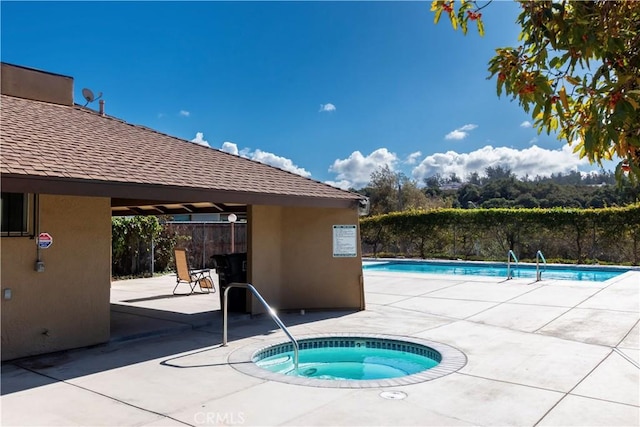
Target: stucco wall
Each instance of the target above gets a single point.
(67, 305)
(264, 260)
(291, 259)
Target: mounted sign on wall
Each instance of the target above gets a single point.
(345, 241)
(44, 240)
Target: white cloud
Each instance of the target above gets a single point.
(525, 124)
(199, 139)
(456, 134)
(184, 113)
(279, 162)
(355, 171)
(344, 184)
(461, 132)
(413, 158)
(327, 108)
(265, 157)
(530, 161)
(230, 147)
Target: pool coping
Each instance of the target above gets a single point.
(611, 267)
(452, 361)
(621, 270)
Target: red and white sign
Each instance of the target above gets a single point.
(44, 240)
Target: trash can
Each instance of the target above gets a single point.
(232, 268)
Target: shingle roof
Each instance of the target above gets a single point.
(75, 144)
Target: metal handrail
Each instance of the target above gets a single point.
(272, 312)
(538, 272)
(510, 255)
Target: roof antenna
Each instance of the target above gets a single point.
(88, 96)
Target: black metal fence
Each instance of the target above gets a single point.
(202, 240)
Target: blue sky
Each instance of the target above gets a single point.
(329, 90)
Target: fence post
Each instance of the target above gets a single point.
(204, 238)
(153, 256)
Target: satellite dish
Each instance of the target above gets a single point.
(88, 95)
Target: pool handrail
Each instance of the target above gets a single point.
(510, 255)
(272, 313)
(538, 272)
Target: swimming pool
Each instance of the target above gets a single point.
(521, 270)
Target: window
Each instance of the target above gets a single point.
(17, 214)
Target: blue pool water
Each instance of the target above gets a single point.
(580, 273)
(349, 363)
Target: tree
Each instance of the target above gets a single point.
(411, 196)
(390, 191)
(131, 239)
(433, 182)
(526, 200)
(474, 178)
(469, 195)
(432, 186)
(498, 172)
(576, 70)
(382, 191)
(453, 178)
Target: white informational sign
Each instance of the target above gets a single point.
(345, 243)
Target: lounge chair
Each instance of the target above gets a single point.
(193, 278)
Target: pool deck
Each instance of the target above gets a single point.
(539, 354)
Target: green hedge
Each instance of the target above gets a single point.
(131, 239)
(610, 235)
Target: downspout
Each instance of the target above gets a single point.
(39, 265)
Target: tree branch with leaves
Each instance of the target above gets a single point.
(576, 71)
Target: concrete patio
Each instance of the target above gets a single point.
(547, 353)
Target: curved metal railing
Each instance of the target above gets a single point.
(272, 312)
(510, 255)
(539, 256)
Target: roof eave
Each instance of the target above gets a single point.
(17, 183)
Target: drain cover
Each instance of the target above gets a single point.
(393, 395)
